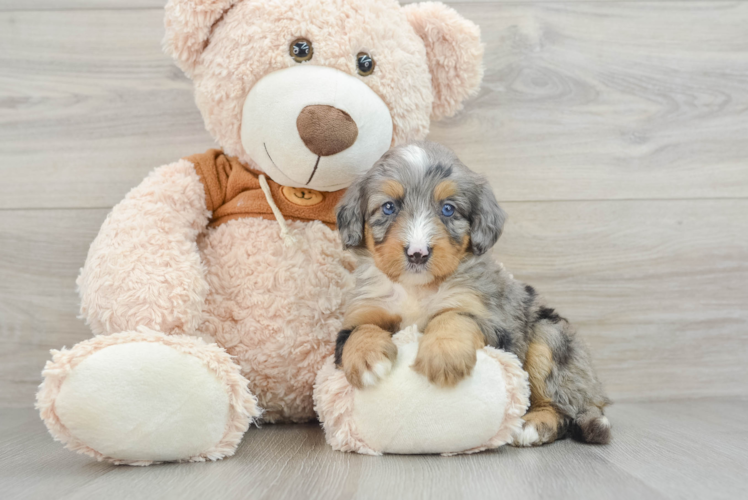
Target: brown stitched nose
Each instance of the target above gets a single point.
(326, 130)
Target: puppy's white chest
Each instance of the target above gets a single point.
(413, 305)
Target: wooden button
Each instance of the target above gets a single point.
(302, 196)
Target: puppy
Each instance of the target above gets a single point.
(421, 224)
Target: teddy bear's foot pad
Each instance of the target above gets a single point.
(144, 401)
(405, 413)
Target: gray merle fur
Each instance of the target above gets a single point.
(517, 315)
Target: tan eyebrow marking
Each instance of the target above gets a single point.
(393, 189)
(444, 190)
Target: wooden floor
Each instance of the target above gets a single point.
(615, 134)
(675, 450)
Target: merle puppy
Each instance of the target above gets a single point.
(421, 224)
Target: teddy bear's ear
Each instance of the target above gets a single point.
(189, 24)
(454, 51)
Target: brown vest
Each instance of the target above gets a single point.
(232, 191)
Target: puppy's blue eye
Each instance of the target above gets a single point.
(448, 210)
(388, 208)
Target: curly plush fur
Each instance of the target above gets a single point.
(164, 214)
(275, 309)
(429, 58)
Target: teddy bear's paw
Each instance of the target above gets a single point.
(143, 397)
(480, 413)
(368, 356)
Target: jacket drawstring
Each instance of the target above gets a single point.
(288, 238)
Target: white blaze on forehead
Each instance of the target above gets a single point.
(418, 233)
(415, 156)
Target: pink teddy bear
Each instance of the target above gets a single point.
(215, 288)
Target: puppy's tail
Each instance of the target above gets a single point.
(591, 426)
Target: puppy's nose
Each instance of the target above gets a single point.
(326, 130)
(418, 255)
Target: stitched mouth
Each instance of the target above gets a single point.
(314, 171)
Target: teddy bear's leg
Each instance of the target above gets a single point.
(139, 397)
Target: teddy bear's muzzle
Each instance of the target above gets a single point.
(326, 130)
(314, 127)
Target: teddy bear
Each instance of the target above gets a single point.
(214, 290)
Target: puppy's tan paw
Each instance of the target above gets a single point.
(368, 356)
(445, 360)
(527, 436)
(540, 427)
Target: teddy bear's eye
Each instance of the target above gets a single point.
(365, 64)
(301, 50)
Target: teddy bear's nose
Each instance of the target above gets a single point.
(326, 130)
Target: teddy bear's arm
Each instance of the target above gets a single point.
(143, 268)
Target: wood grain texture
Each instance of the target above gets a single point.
(657, 288)
(609, 101)
(41, 252)
(580, 101)
(90, 105)
(702, 443)
(688, 449)
(42, 5)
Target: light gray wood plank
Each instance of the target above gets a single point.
(41, 252)
(580, 101)
(660, 450)
(40, 5)
(703, 444)
(88, 106)
(37, 5)
(294, 462)
(35, 466)
(609, 101)
(657, 288)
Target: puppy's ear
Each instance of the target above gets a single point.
(350, 214)
(454, 52)
(487, 221)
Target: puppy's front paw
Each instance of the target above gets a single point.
(445, 360)
(368, 356)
